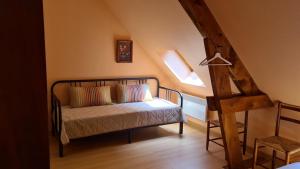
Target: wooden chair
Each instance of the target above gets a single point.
(216, 124)
(278, 143)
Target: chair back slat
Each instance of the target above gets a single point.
(290, 107)
(290, 119)
(286, 106)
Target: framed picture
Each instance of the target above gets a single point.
(124, 51)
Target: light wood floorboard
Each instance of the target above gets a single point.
(152, 148)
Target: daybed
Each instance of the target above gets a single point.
(72, 123)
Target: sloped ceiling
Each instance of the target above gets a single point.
(160, 25)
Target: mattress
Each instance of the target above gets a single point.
(88, 121)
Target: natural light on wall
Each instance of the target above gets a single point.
(181, 69)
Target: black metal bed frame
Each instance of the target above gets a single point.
(56, 103)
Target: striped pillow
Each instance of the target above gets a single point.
(133, 93)
(89, 96)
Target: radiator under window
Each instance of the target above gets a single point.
(195, 107)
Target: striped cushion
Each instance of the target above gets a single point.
(133, 93)
(89, 96)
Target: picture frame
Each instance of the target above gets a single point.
(124, 51)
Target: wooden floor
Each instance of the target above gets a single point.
(152, 148)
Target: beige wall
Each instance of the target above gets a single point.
(266, 36)
(80, 36)
(162, 25)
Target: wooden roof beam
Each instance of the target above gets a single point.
(216, 41)
(239, 103)
(209, 28)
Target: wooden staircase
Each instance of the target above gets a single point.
(223, 100)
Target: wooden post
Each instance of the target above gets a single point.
(209, 28)
(222, 89)
(224, 101)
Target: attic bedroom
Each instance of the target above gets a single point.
(159, 84)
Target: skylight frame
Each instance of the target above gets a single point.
(173, 60)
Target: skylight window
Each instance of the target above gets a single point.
(181, 69)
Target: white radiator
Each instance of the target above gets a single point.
(195, 107)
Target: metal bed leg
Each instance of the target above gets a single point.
(129, 136)
(181, 127)
(61, 149)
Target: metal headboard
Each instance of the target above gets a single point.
(102, 82)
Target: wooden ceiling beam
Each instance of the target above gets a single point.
(239, 103)
(222, 89)
(209, 28)
(242, 103)
(211, 103)
(240, 75)
(216, 41)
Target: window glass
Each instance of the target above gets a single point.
(181, 69)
